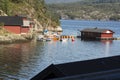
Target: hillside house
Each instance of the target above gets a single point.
(96, 33)
(16, 24)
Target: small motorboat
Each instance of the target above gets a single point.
(63, 40)
(44, 39)
(48, 39)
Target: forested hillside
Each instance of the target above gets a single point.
(32, 8)
(88, 9)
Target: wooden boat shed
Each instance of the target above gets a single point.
(16, 24)
(107, 68)
(96, 33)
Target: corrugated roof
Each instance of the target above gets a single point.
(11, 20)
(98, 30)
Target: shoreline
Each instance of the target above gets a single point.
(19, 38)
(15, 38)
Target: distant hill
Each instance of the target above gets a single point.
(88, 10)
(86, 1)
(60, 1)
(102, 1)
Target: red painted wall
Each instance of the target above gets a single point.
(110, 35)
(24, 30)
(13, 29)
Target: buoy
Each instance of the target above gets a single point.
(73, 39)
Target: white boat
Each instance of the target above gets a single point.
(44, 39)
(48, 39)
(63, 40)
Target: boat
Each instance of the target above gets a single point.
(63, 40)
(44, 39)
(48, 39)
(73, 39)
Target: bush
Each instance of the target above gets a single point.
(1, 25)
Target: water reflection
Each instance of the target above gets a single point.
(10, 59)
(23, 61)
(107, 46)
(15, 59)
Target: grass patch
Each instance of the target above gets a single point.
(4, 32)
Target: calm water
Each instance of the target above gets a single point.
(23, 61)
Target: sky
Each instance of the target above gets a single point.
(60, 1)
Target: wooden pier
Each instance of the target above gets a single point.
(67, 36)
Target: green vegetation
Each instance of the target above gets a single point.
(35, 9)
(88, 9)
(3, 32)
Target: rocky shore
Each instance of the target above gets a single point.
(13, 38)
(57, 29)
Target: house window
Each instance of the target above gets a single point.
(26, 23)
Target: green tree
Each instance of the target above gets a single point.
(1, 25)
(4, 5)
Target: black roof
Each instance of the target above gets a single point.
(104, 75)
(82, 69)
(11, 20)
(98, 30)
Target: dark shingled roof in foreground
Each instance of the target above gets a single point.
(11, 20)
(98, 30)
(96, 69)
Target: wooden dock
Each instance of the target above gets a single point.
(67, 36)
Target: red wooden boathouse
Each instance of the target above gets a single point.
(96, 33)
(16, 24)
